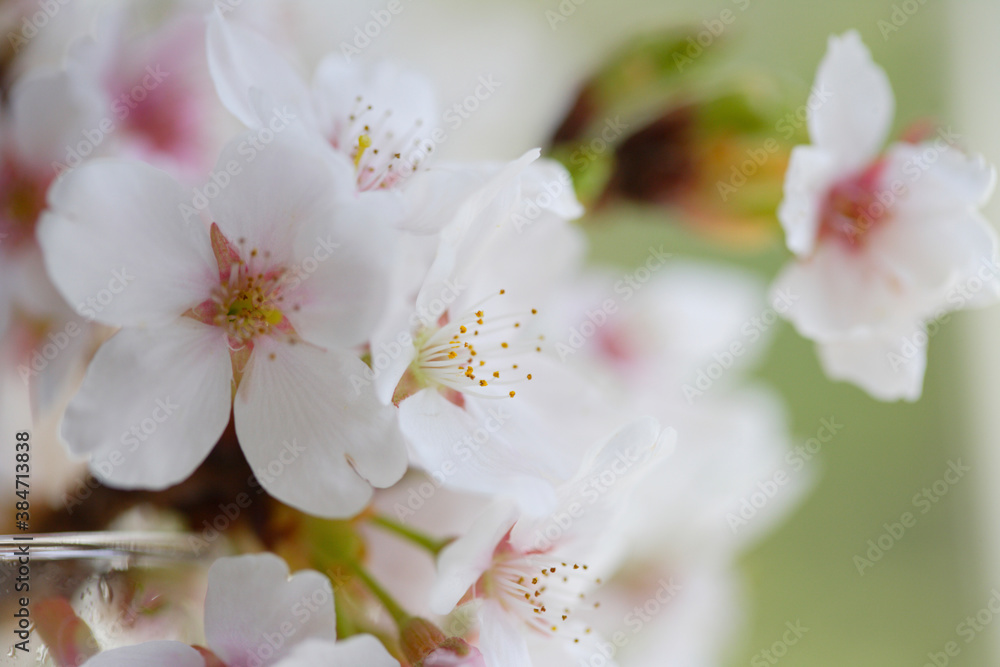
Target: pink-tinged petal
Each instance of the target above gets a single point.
(313, 441)
(51, 111)
(149, 654)
(256, 614)
(241, 60)
(118, 247)
(811, 172)
(940, 176)
(890, 366)
(462, 562)
(474, 446)
(278, 188)
(936, 252)
(358, 651)
(342, 272)
(501, 638)
(152, 405)
(839, 291)
(851, 106)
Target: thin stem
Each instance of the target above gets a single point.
(433, 545)
(399, 615)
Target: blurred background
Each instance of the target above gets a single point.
(825, 567)
(941, 58)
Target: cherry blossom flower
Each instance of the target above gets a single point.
(483, 402)
(883, 242)
(258, 616)
(379, 117)
(257, 306)
(531, 576)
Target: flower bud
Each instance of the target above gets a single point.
(424, 645)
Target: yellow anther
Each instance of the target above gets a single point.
(364, 142)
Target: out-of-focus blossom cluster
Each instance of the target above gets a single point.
(224, 275)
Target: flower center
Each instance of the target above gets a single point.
(382, 155)
(539, 589)
(477, 353)
(854, 206)
(248, 300)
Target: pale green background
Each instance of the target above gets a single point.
(911, 601)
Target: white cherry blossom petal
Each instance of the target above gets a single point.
(252, 598)
(152, 405)
(854, 104)
(890, 366)
(118, 248)
(287, 186)
(357, 651)
(241, 61)
(811, 172)
(343, 268)
(313, 440)
(501, 640)
(461, 563)
(473, 446)
(50, 111)
(149, 654)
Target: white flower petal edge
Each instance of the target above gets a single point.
(462, 562)
(332, 437)
(357, 651)
(810, 173)
(854, 103)
(884, 243)
(502, 467)
(117, 247)
(149, 654)
(502, 642)
(146, 392)
(241, 61)
(889, 367)
(253, 597)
